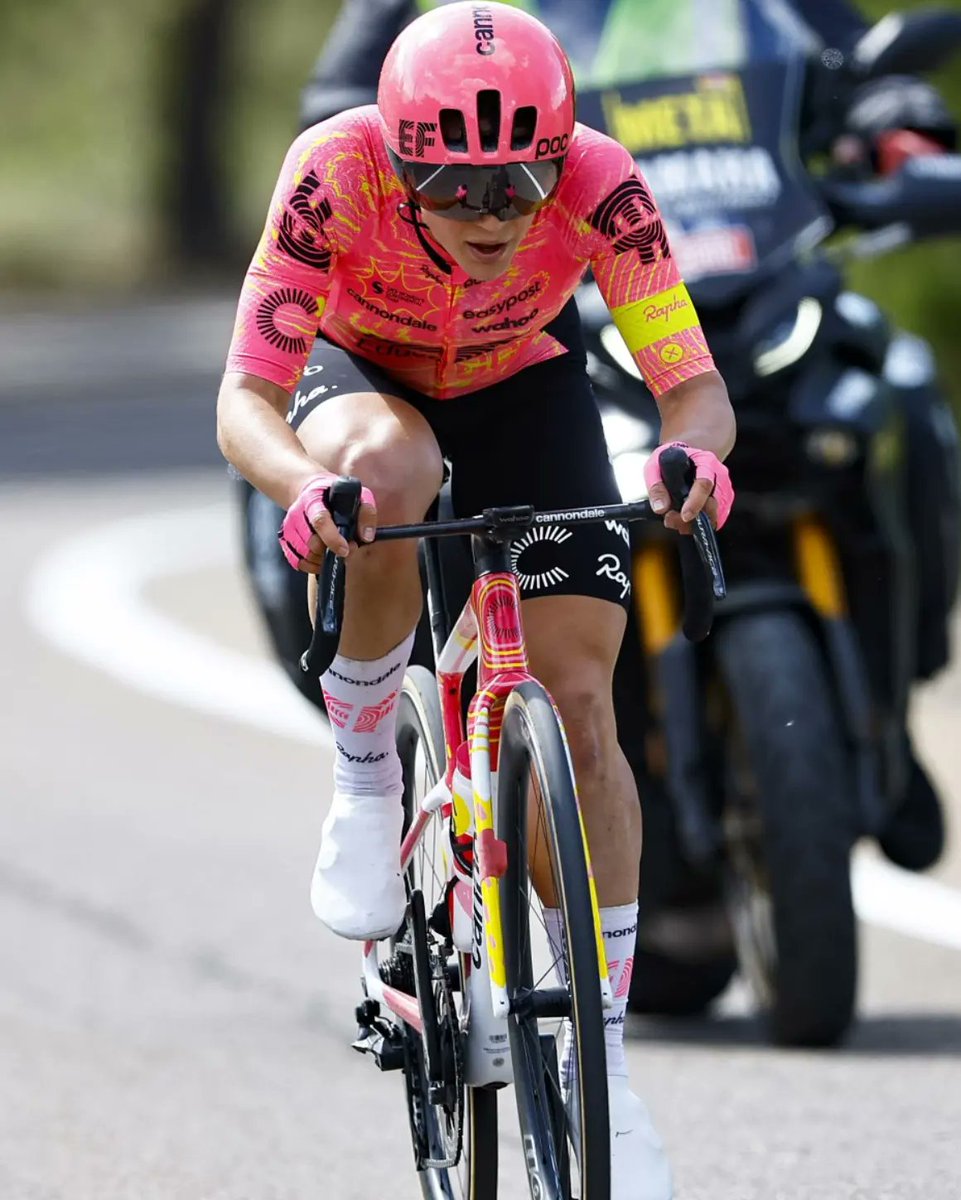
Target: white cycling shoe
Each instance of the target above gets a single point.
(357, 889)
(639, 1166)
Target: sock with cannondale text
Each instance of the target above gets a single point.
(619, 927)
(357, 888)
(361, 702)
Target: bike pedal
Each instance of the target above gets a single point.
(386, 1048)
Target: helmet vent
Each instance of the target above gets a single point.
(489, 119)
(453, 129)
(525, 122)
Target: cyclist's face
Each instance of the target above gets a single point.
(483, 248)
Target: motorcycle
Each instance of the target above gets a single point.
(764, 753)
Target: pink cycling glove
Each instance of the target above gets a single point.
(706, 466)
(310, 505)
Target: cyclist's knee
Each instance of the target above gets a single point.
(386, 444)
(584, 702)
(404, 476)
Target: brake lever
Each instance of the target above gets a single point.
(705, 539)
(342, 499)
(701, 572)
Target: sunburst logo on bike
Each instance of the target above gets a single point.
(534, 557)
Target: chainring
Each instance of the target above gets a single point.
(448, 1116)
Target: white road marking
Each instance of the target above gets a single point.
(906, 903)
(102, 618)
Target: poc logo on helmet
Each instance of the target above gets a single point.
(552, 147)
(484, 30)
(414, 137)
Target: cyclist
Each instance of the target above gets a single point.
(432, 245)
(613, 42)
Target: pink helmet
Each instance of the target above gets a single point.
(476, 83)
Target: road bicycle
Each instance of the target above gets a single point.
(472, 993)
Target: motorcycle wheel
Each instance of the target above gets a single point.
(789, 828)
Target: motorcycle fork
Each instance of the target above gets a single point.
(675, 748)
(822, 580)
(819, 569)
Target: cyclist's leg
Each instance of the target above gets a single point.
(575, 584)
(354, 424)
(573, 642)
(545, 446)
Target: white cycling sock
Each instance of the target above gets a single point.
(362, 705)
(619, 927)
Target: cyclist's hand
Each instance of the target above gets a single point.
(309, 529)
(710, 491)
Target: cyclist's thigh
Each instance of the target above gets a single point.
(353, 419)
(573, 643)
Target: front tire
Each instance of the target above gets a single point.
(545, 821)
(790, 822)
(420, 743)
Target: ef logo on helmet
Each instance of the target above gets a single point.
(552, 147)
(414, 136)
(484, 30)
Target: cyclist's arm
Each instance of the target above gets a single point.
(640, 282)
(320, 196)
(253, 435)
(638, 277)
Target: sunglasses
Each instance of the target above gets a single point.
(462, 192)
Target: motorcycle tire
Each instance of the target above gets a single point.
(789, 755)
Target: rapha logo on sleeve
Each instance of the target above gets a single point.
(414, 137)
(628, 218)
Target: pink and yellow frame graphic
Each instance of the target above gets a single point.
(489, 630)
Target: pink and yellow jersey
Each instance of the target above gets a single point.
(340, 256)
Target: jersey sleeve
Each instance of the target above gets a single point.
(630, 255)
(321, 199)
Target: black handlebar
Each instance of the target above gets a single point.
(701, 570)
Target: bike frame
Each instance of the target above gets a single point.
(490, 631)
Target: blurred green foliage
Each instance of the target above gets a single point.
(83, 153)
(81, 142)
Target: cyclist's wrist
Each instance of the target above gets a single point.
(297, 484)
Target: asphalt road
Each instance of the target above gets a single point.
(174, 1025)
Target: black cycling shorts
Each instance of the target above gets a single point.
(534, 438)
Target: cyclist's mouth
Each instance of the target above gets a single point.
(487, 250)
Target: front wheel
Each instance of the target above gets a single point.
(553, 989)
(440, 1126)
(790, 825)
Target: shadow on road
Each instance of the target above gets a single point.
(895, 1034)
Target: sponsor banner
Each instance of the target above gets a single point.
(719, 151)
